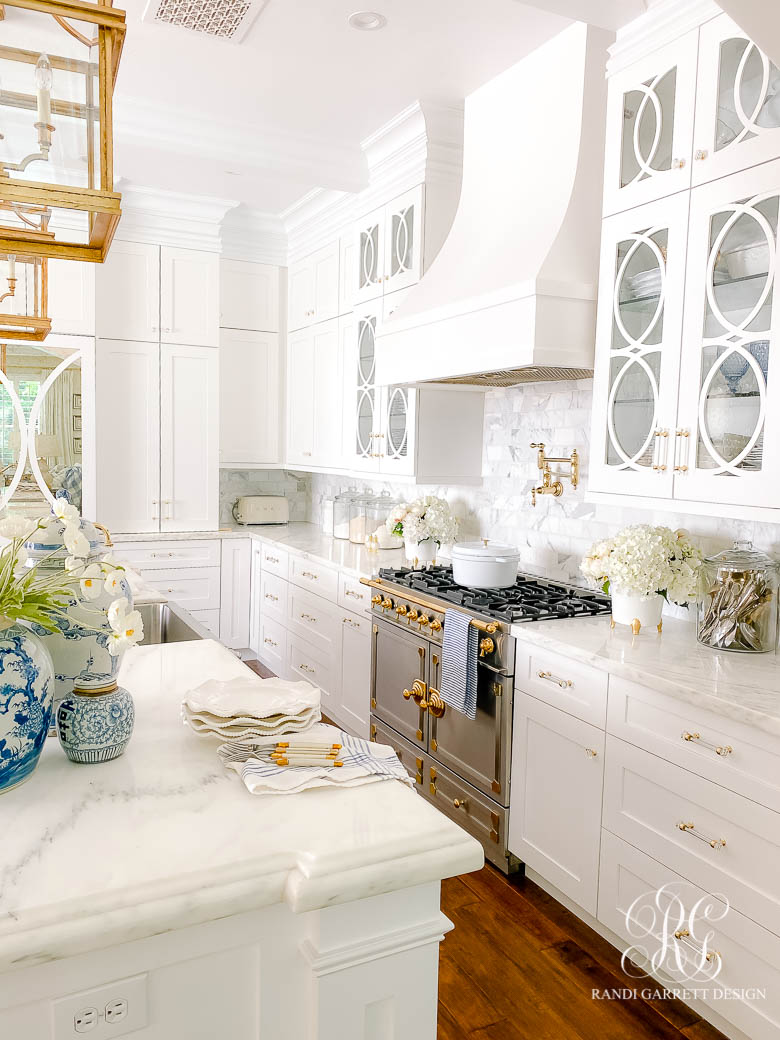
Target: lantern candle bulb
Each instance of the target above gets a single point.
(43, 82)
(10, 278)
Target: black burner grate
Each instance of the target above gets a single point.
(529, 599)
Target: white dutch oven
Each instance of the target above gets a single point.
(485, 564)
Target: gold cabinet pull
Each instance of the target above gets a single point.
(310, 574)
(270, 595)
(305, 668)
(690, 828)
(683, 935)
(309, 617)
(270, 642)
(720, 749)
(591, 752)
(563, 683)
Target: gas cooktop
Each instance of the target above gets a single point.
(529, 599)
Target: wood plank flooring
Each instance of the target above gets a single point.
(519, 966)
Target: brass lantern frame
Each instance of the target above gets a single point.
(102, 204)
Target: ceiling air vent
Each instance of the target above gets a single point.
(224, 19)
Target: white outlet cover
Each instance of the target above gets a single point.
(133, 992)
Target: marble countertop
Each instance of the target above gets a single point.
(743, 687)
(165, 837)
(298, 537)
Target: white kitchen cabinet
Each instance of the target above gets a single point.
(362, 397)
(249, 296)
(127, 394)
(189, 438)
(127, 292)
(255, 606)
(235, 592)
(737, 103)
(355, 701)
(638, 337)
(370, 239)
(194, 588)
(189, 297)
(389, 245)
(250, 390)
(300, 398)
(314, 396)
(71, 288)
(347, 273)
(555, 806)
(314, 290)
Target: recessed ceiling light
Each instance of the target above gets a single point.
(367, 20)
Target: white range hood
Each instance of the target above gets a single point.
(511, 297)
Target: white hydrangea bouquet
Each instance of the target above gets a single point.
(425, 524)
(640, 568)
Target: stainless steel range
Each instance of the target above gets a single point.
(460, 765)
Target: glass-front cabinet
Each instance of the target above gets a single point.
(638, 356)
(727, 443)
(389, 247)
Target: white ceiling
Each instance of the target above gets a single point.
(285, 110)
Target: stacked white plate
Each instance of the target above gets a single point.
(251, 707)
(645, 283)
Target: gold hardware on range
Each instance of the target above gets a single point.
(436, 705)
(486, 646)
(719, 749)
(460, 803)
(549, 486)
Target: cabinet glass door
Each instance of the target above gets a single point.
(403, 252)
(649, 126)
(361, 395)
(371, 256)
(396, 437)
(737, 104)
(638, 348)
(728, 440)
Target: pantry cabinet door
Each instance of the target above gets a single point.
(650, 108)
(325, 271)
(127, 414)
(328, 395)
(737, 103)
(370, 237)
(127, 293)
(189, 297)
(403, 240)
(300, 398)
(189, 438)
(728, 438)
(71, 288)
(300, 299)
(362, 397)
(347, 273)
(641, 286)
(249, 296)
(250, 396)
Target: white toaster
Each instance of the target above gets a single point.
(262, 509)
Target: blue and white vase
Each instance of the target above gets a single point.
(95, 725)
(26, 692)
(79, 647)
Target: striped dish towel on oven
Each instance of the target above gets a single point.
(459, 663)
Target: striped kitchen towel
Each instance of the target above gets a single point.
(459, 663)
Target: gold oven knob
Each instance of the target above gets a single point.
(460, 803)
(412, 615)
(376, 600)
(435, 625)
(486, 646)
(400, 610)
(386, 603)
(424, 620)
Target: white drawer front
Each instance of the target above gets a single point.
(309, 574)
(742, 758)
(748, 956)
(309, 662)
(566, 684)
(356, 623)
(272, 650)
(196, 552)
(273, 597)
(195, 588)
(352, 595)
(728, 845)
(315, 620)
(275, 560)
(209, 619)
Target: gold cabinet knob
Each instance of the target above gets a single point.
(460, 803)
(400, 610)
(376, 600)
(486, 646)
(412, 615)
(386, 603)
(436, 705)
(424, 620)
(435, 625)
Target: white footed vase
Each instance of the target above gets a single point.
(636, 611)
(420, 554)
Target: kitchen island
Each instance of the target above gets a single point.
(307, 916)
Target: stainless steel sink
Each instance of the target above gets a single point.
(169, 623)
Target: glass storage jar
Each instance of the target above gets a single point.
(341, 510)
(358, 514)
(326, 521)
(738, 609)
(377, 512)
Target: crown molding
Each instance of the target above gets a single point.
(662, 24)
(248, 234)
(316, 219)
(171, 218)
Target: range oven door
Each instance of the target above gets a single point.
(477, 750)
(399, 681)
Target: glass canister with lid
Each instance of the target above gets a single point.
(341, 512)
(738, 609)
(358, 517)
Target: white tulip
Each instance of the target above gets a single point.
(91, 585)
(74, 565)
(16, 527)
(75, 542)
(127, 627)
(64, 511)
(113, 582)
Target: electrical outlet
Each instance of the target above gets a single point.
(104, 1013)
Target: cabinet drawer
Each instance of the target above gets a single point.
(315, 620)
(272, 649)
(739, 757)
(209, 619)
(729, 845)
(566, 684)
(309, 574)
(275, 560)
(468, 807)
(410, 757)
(748, 955)
(310, 662)
(273, 596)
(196, 588)
(352, 595)
(200, 552)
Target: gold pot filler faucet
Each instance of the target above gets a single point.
(549, 486)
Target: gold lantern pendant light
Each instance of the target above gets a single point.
(24, 282)
(58, 66)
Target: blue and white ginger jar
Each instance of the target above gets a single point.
(26, 693)
(95, 726)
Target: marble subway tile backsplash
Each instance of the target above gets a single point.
(233, 483)
(556, 533)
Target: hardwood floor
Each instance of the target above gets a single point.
(262, 671)
(519, 966)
